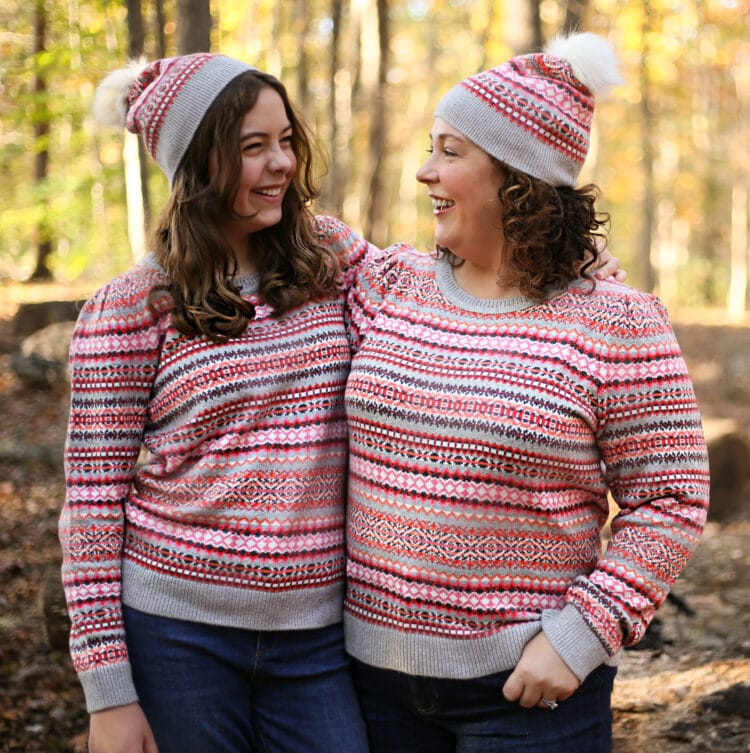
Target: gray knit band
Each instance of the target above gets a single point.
(508, 138)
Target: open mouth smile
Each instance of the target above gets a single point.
(439, 206)
(270, 192)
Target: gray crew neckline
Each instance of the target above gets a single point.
(247, 284)
(454, 293)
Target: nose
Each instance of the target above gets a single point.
(282, 159)
(426, 172)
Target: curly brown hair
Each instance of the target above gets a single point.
(293, 265)
(552, 234)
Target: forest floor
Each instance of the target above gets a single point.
(688, 693)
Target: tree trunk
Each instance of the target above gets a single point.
(135, 28)
(339, 117)
(41, 120)
(739, 247)
(486, 34)
(300, 24)
(520, 27)
(136, 47)
(537, 37)
(193, 26)
(376, 223)
(575, 11)
(160, 21)
(648, 279)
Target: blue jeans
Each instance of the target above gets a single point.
(406, 714)
(209, 689)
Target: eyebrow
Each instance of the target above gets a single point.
(438, 137)
(263, 134)
(443, 136)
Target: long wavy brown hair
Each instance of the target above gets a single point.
(552, 234)
(294, 267)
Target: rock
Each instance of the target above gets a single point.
(42, 359)
(31, 317)
(54, 610)
(732, 700)
(729, 460)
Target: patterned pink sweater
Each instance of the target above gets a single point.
(235, 516)
(483, 438)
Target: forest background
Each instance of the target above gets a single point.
(670, 151)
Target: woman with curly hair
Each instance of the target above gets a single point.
(495, 397)
(205, 582)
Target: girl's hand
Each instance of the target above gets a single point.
(540, 673)
(122, 729)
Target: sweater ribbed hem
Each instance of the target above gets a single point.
(434, 656)
(461, 659)
(249, 609)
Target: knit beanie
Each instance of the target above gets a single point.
(165, 101)
(534, 112)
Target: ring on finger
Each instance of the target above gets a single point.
(551, 705)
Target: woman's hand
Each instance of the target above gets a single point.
(540, 673)
(608, 266)
(122, 729)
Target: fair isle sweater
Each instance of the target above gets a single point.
(484, 435)
(236, 516)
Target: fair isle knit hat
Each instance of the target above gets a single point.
(165, 101)
(534, 112)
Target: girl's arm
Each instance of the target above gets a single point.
(114, 355)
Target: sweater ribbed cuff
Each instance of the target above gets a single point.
(108, 687)
(574, 640)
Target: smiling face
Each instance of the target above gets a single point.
(464, 183)
(268, 164)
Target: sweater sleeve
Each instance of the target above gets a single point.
(351, 248)
(114, 355)
(656, 464)
(374, 277)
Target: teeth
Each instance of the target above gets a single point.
(441, 203)
(269, 191)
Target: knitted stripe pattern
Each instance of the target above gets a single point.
(531, 113)
(235, 514)
(483, 438)
(169, 99)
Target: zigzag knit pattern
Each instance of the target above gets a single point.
(236, 515)
(540, 95)
(484, 436)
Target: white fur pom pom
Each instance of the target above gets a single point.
(111, 97)
(591, 58)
